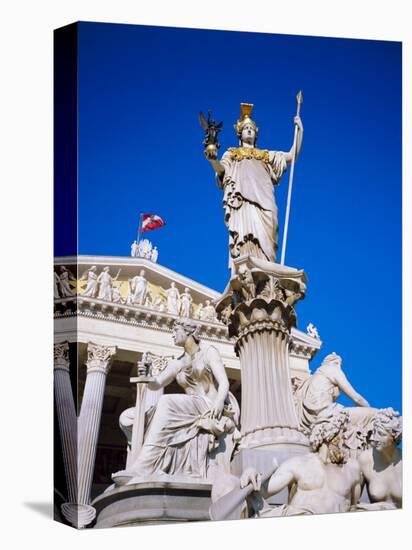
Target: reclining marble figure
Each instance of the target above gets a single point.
(325, 480)
(317, 397)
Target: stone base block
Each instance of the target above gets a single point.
(153, 503)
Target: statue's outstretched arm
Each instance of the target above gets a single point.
(165, 377)
(343, 384)
(217, 167)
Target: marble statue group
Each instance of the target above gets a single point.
(144, 249)
(136, 291)
(344, 458)
(289, 447)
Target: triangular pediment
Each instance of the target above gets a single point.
(159, 277)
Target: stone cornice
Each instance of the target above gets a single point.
(303, 345)
(133, 315)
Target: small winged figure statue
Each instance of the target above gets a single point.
(211, 130)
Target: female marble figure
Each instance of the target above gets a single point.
(139, 284)
(186, 304)
(105, 281)
(247, 176)
(65, 278)
(381, 464)
(173, 299)
(91, 286)
(154, 254)
(323, 481)
(184, 435)
(133, 249)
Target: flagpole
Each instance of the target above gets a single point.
(299, 98)
(140, 228)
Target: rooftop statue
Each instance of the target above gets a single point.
(92, 285)
(105, 282)
(64, 279)
(173, 299)
(247, 175)
(139, 288)
(186, 303)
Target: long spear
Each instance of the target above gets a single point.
(299, 99)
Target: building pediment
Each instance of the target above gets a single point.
(160, 278)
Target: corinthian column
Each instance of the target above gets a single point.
(67, 420)
(98, 365)
(258, 307)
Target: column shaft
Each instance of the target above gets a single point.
(266, 388)
(98, 365)
(66, 417)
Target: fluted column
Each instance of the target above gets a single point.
(67, 420)
(268, 411)
(98, 365)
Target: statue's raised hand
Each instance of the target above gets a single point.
(211, 152)
(298, 122)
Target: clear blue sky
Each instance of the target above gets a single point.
(140, 150)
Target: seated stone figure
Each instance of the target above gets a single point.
(191, 435)
(381, 463)
(317, 395)
(326, 480)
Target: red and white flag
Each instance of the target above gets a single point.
(151, 221)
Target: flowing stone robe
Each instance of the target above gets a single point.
(185, 304)
(91, 287)
(56, 286)
(173, 300)
(106, 282)
(140, 289)
(182, 440)
(65, 284)
(251, 214)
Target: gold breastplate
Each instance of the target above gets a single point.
(241, 153)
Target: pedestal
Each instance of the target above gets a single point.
(153, 502)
